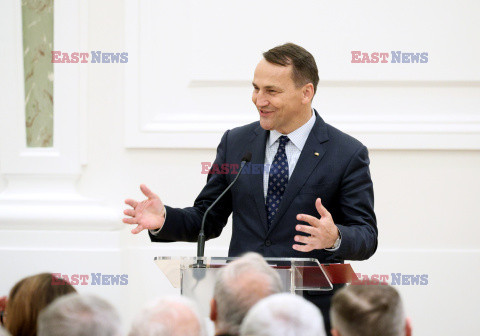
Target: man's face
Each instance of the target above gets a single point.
(279, 103)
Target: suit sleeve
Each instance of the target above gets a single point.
(357, 224)
(184, 224)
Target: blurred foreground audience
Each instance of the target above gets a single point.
(169, 316)
(247, 301)
(283, 315)
(27, 298)
(79, 315)
(368, 310)
(240, 285)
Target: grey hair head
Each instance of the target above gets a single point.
(240, 285)
(4, 332)
(283, 315)
(169, 316)
(79, 315)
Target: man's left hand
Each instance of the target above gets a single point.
(322, 232)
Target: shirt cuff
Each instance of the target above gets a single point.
(155, 232)
(337, 244)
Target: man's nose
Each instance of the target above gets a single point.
(261, 100)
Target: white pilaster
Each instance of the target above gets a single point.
(41, 182)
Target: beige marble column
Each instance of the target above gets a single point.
(37, 26)
(39, 150)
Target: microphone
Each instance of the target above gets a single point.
(201, 236)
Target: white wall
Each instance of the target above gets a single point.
(426, 182)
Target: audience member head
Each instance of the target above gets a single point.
(364, 310)
(79, 315)
(3, 331)
(283, 315)
(169, 316)
(240, 285)
(28, 297)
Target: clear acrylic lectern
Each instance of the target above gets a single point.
(197, 283)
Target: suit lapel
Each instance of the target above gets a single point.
(305, 166)
(257, 145)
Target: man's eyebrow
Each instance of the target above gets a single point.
(268, 87)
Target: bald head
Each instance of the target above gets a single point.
(169, 316)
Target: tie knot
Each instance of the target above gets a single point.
(283, 140)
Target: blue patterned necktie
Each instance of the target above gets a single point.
(277, 180)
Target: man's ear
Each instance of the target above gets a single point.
(213, 310)
(335, 332)
(308, 93)
(408, 327)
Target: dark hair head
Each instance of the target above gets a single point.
(368, 310)
(28, 297)
(304, 68)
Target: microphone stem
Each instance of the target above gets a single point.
(201, 235)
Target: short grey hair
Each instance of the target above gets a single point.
(240, 285)
(79, 315)
(364, 310)
(4, 332)
(283, 315)
(169, 316)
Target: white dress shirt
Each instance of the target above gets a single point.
(293, 149)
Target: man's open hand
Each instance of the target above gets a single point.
(148, 214)
(322, 232)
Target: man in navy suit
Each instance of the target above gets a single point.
(313, 199)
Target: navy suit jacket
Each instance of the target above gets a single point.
(332, 166)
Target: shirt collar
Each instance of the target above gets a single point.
(297, 137)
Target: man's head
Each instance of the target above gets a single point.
(283, 314)
(238, 287)
(364, 310)
(169, 316)
(284, 84)
(79, 315)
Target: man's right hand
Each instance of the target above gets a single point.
(148, 214)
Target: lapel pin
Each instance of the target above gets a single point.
(316, 154)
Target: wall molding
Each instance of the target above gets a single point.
(191, 104)
(420, 132)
